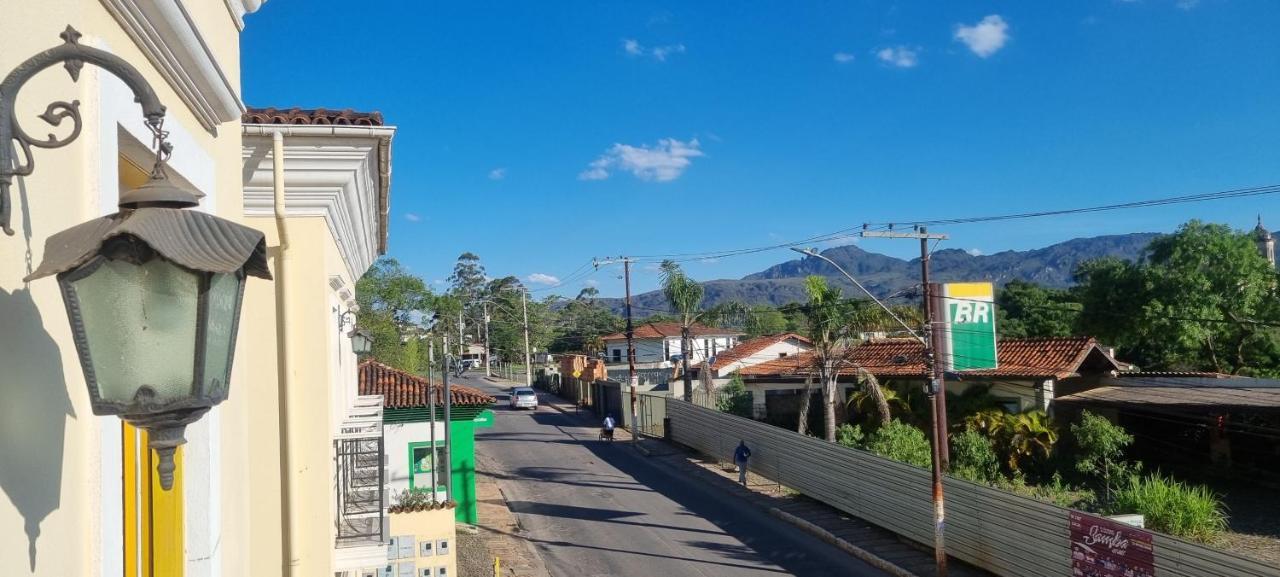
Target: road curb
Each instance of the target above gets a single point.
(867, 556)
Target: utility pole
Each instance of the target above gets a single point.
(460, 339)
(448, 406)
(631, 343)
(528, 364)
(487, 352)
(431, 411)
(936, 388)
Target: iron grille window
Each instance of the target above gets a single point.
(360, 481)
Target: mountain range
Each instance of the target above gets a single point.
(1051, 266)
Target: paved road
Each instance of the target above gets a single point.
(595, 509)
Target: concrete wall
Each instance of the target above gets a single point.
(425, 539)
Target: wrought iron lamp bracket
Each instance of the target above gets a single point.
(73, 56)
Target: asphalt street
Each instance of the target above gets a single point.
(597, 509)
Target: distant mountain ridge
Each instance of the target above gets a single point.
(1051, 266)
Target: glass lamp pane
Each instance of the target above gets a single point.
(140, 324)
(224, 292)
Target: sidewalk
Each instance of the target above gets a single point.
(878, 547)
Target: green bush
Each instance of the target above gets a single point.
(735, 399)
(1190, 511)
(1099, 450)
(1055, 491)
(974, 458)
(900, 442)
(850, 436)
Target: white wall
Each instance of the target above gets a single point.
(652, 350)
(790, 347)
(396, 438)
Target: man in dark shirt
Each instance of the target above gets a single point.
(740, 457)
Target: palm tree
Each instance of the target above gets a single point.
(685, 296)
(864, 401)
(830, 319)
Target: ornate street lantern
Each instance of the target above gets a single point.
(153, 292)
(361, 342)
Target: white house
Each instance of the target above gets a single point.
(759, 350)
(658, 342)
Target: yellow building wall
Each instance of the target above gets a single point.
(436, 527)
(50, 442)
(312, 258)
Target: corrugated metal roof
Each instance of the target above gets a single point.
(1175, 396)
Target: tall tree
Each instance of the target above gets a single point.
(579, 323)
(685, 297)
(1202, 299)
(468, 278)
(393, 303)
(1026, 309)
(764, 320)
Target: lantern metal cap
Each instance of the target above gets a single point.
(191, 239)
(160, 191)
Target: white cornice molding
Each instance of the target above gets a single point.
(165, 33)
(239, 8)
(326, 175)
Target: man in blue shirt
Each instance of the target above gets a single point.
(740, 456)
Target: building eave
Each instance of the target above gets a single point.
(339, 172)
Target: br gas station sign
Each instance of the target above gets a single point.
(969, 333)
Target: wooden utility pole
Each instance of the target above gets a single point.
(936, 389)
(528, 365)
(631, 343)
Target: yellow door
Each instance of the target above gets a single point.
(153, 529)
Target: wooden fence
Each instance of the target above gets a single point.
(1006, 534)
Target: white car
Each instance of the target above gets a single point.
(524, 398)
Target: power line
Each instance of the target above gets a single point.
(1190, 198)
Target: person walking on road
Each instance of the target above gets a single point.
(740, 457)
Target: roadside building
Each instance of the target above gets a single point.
(407, 430)
(1029, 374)
(659, 342)
(752, 352)
(1182, 420)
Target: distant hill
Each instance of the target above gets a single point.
(883, 275)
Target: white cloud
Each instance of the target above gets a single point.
(659, 53)
(632, 47)
(986, 37)
(709, 260)
(411, 217)
(663, 162)
(539, 278)
(899, 56)
(974, 252)
(1188, 4)
(842, 57)
(591, 282)
(437, 282)
(498, 173)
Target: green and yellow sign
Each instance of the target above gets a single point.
(969, 335)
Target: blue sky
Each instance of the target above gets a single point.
(541, 134)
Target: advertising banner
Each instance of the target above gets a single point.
(1104, 548)
(969, 332)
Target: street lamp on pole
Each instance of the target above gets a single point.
(524, 306)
